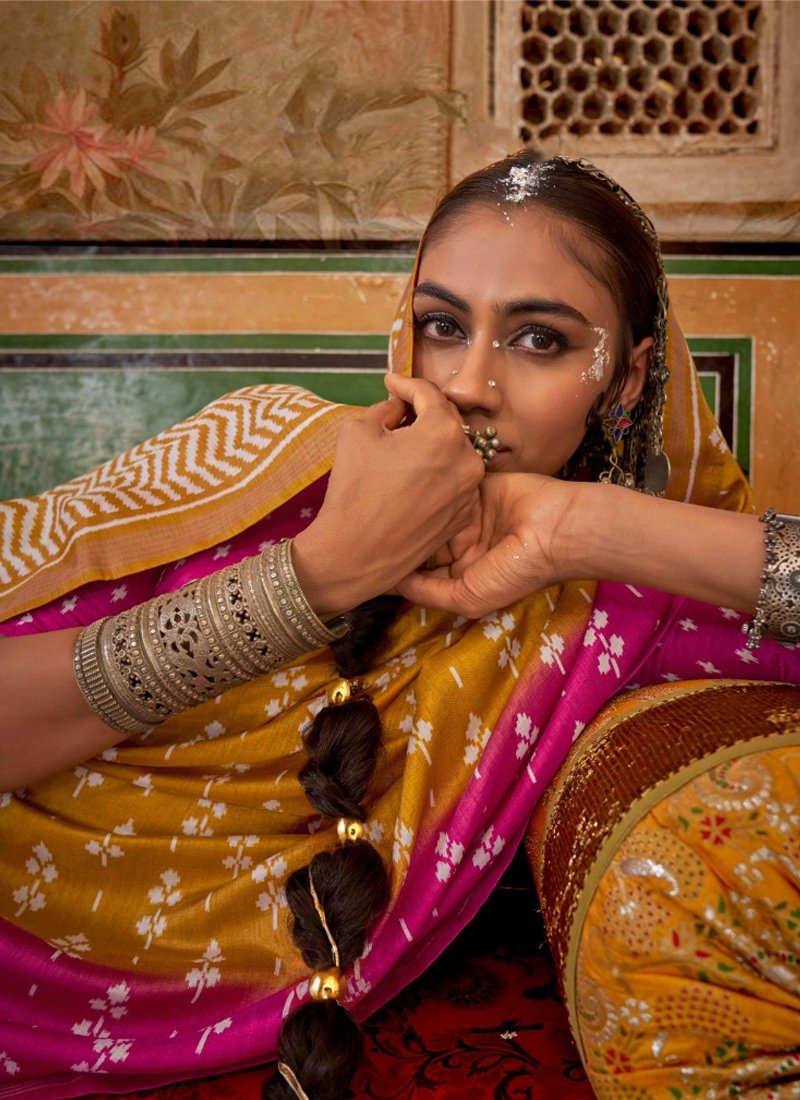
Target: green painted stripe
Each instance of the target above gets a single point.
(775, 266)
(709, 384)
(742, 347)
(731, 345)
(58, 423)
(222, 341)
(321, 263)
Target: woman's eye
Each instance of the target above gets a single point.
(540, 339)
(438, 326)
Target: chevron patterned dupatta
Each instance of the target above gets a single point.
(144, 935)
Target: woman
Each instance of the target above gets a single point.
(148, 888)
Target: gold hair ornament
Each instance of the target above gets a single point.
(289, 1076)
(340, 692)
(349, 830)
(325, 985)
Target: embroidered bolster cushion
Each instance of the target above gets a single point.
(667, 859)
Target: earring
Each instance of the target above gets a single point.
(616, 424)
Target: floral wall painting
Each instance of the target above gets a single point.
(223, 120)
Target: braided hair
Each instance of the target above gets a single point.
(321, 1042)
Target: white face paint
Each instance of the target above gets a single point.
(600, 358)
(524, 181)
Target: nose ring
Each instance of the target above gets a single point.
(492, 384)
(495, 343)
(453, 373)
(485, 443)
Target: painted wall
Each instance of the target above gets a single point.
(222, 120)
(99, 352)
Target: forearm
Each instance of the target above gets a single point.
(70, 694)
(46, 723)
(705, 554)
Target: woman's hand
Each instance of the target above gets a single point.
(401, 486)
(536, 531)
(510, 551)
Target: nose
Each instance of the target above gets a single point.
(474, 382)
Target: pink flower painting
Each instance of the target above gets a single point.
(74, 142)
(140, 136)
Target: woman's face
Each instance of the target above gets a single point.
(517, 333)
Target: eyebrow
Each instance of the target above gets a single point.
(551, 306)
(431, 290)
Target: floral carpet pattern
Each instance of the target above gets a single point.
(485, 1021)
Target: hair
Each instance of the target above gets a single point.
(320, 1041)
(586, 206)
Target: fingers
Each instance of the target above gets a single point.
(432, 589)
(423, 396)
(386, 414)
(439, 589)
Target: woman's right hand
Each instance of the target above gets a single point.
(536, 531)
(404, 481)
(515, 551)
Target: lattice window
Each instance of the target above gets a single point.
(694, 74)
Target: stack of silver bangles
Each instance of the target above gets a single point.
(778, 608)
(138, 668)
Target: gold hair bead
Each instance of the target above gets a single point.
(326, 985)
(339, 693)
(349, 830)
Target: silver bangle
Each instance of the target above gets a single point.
(94, 683)
(140, 667)
(288, 598)
(777, 612)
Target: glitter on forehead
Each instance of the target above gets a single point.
(523, 181)
(600, 358)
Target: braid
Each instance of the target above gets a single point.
(321, 1043)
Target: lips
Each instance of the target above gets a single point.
(501, 459)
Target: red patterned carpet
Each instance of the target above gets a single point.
(484, 1022)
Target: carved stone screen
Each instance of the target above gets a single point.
(674, 73)
(690, 104)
